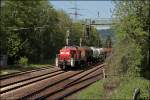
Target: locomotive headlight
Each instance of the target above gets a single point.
(61, 52)
(67, 53)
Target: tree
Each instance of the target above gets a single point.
(29, 25)
(133, 33)
(36, 30)
(108, 42)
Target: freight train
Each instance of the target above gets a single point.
(73, 56)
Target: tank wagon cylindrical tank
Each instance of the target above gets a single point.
(98, 54)
(101, 54)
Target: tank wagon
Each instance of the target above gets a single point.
(73, 56)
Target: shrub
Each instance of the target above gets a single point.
(23, 61)
(126, 59)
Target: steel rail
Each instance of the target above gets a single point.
(36, 86)
(29, 81)
(23, 72)
(64, 84)
(26, 76)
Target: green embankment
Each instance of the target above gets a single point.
(123, 89)
(94, 91)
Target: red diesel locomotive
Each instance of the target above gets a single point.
(67, 57)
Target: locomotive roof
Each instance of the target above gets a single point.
(70, 47)
(77, 47)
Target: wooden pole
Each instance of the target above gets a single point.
(104, 73)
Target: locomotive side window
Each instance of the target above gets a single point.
(72, 53)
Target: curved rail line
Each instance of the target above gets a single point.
(48, 85)
(73, 88)
(53, 93)
(26, 76)
(29, 81)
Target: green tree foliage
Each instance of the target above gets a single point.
(94, 39)
(76, 33)
(23, 17)
(23, 61)
(126, 58)
(33, 28)
(108, 42)
(132, 35)
(14, 44)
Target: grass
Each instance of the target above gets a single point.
(123, 89)
(94, 91)
(128, 85)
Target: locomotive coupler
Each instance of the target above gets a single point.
(64, 62)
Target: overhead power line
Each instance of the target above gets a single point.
(26, 28)
(76, 14)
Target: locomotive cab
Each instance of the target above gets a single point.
(67, 57)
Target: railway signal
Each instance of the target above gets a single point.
(67, 37)
(88, 30)
(80, 42)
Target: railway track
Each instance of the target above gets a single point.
(23, 72)
(23, 76)
(53, 85)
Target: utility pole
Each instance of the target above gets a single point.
(98, 14)
(80, 42)
(88, 28)
(67, 38)
(76, 14)
(87, 31)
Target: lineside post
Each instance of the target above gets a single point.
(104, 75)
(136, 94)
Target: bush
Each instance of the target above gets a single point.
(126, 59)
(23, 61)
